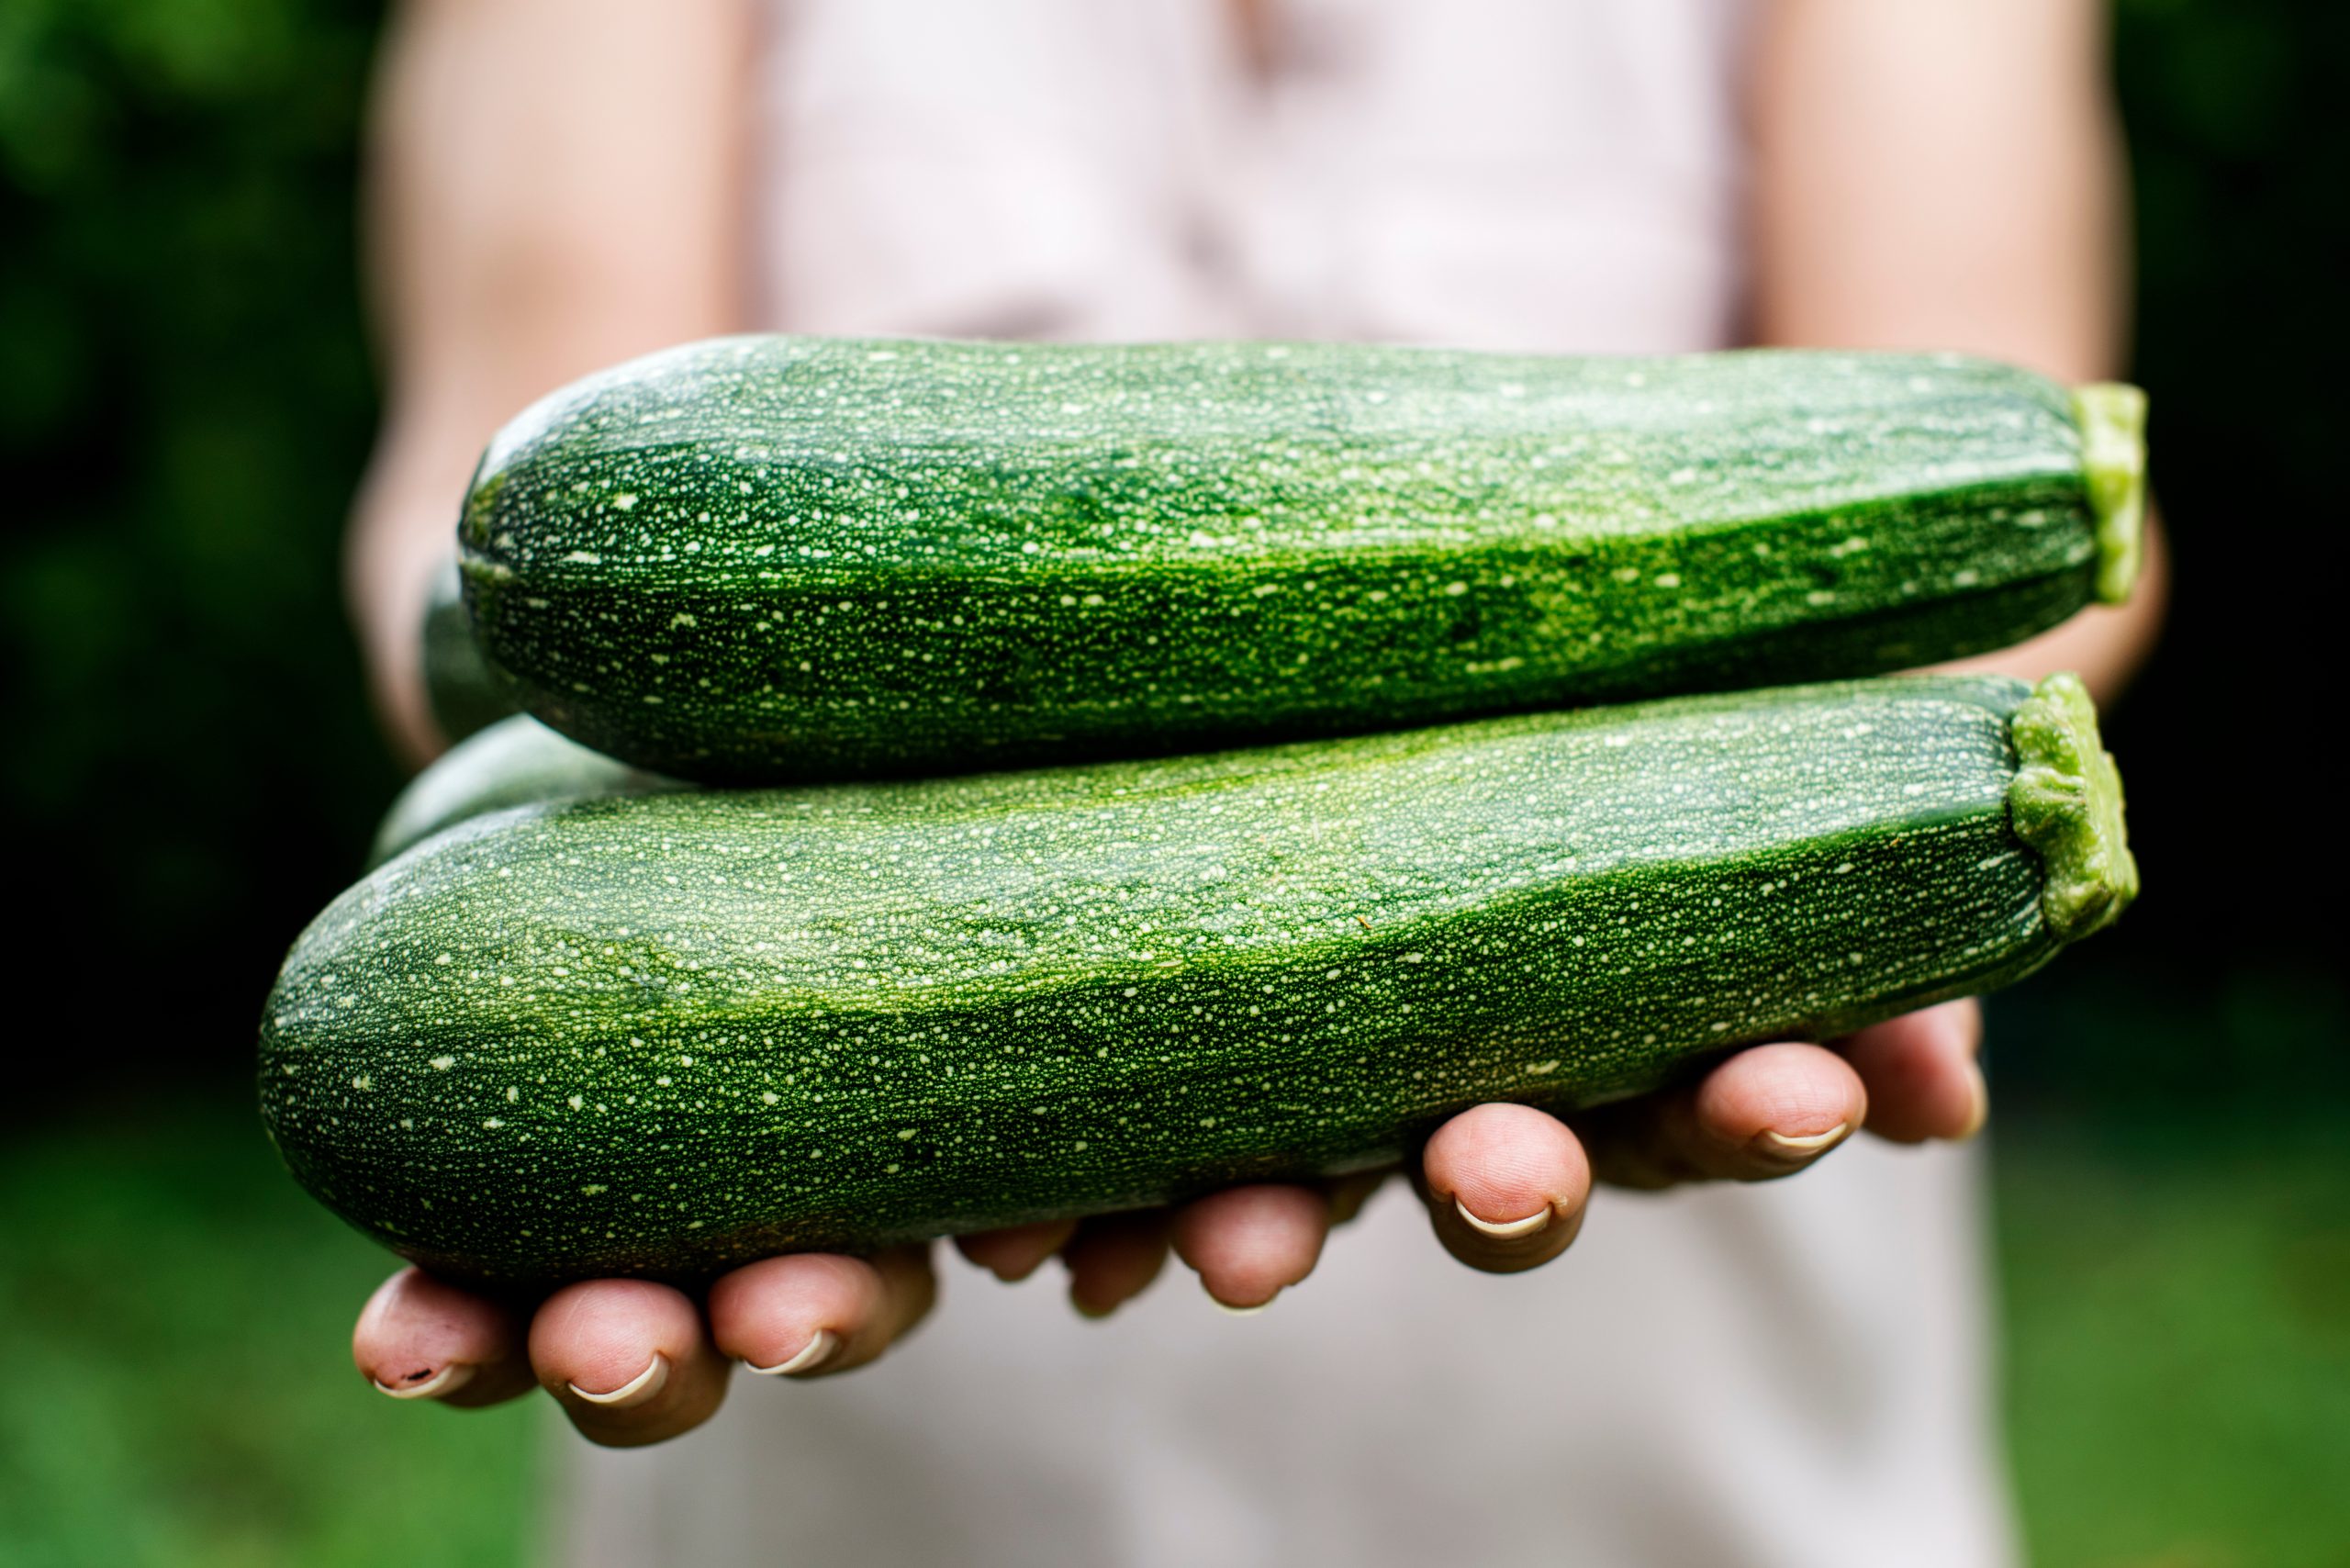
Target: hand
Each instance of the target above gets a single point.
(632, 1361)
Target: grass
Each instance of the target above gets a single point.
(172, 1310)
(2177, 1306)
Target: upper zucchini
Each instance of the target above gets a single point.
(462, 691)
(779, 558)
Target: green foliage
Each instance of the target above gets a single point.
(2219, 986)
(2237, 142)
(175, 1311)
(2178, 1381)
(2178, 1297)
(184, 400)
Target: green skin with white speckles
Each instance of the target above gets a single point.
(464, 693)
(516, 761)
(778, 559)
(665, 1035)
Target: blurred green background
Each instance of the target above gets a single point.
(189, 773)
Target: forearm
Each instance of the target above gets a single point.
(1949, 174)
(552, 186)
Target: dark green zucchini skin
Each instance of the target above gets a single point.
(464, 693)
(662, 1034)
(516, 761)
(779, 559)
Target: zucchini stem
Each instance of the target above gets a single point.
(2065, 804)
(2113, 453)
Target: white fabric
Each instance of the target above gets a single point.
(1484, 173)
(1794, 1374)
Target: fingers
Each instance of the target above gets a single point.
(627, 1359)
(1114, 1258)
(1249, 1244)
(420, 1338)
(1922, 1076)
(1506, 1187)
(810, 1314)
(1766, 1111)
(1016, 1252)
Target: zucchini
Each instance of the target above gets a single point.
(465, 694)
(778, 559)
(665, 1034)
(516, 761)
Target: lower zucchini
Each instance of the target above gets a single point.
(662, 1035)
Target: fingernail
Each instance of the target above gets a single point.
(448, 1380)
(635, 1391)
(1231, 1311)
(1505, 1229)
(1981, 1111)
(810, 1356)
(1793, 1150)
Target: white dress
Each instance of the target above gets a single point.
(1790, 1374)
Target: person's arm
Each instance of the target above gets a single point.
(552, 186)
(557, 186)
(1948, 174)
